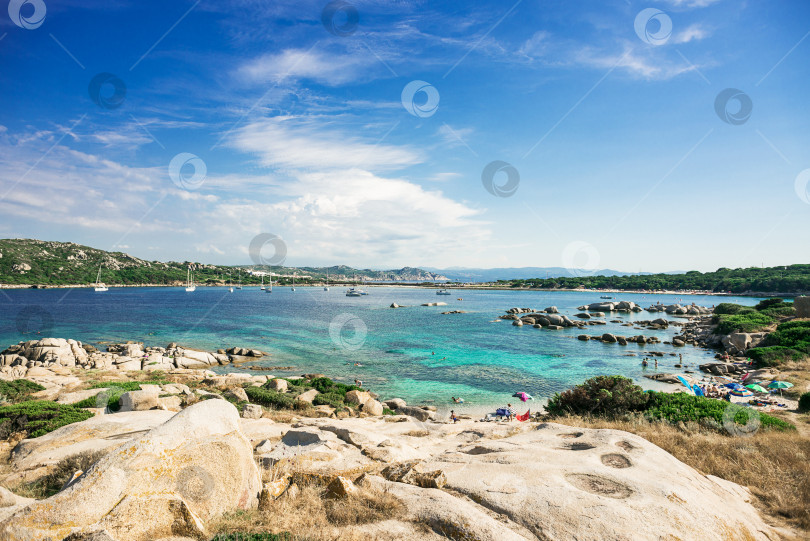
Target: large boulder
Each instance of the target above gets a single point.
(417, 413)
(279, 385)
(373, 407)
(171, 481)
(139, 400)
(641, 491)
(357, 397)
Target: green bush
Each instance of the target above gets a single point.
(677, 407)
(335, 400)
(126, 385)
(773, 355)
(744, 321)
(602, 395)
(18, 390)
(38, 417)
(769, 303)
(269, 398)
(728, 308)
(804, 402)
(779, 312)
(326, 385)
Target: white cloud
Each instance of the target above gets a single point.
(693, 33)
(293, 64)
(310, 142)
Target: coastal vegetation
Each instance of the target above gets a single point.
(614, 396)
(35, 418)
(36, 262)
(785, 279)
(18, 390)
(789, 342)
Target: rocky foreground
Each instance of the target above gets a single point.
(166, 475)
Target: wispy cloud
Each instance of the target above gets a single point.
(313, 65)
(310, 142)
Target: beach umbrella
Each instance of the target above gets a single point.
(744, 392)
(686, 383)
(779, 385)
(734, 386)
(523, 396)
(756, 388)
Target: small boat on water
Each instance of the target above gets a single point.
(293, 284)
(326, 287)
(443, 291)
(354, 292)
(239, 285)
(262, 288)
(190, 281)
(100, 286)
(605, 297)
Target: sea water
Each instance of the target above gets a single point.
(414, 352)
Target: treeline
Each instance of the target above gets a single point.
(789, 279)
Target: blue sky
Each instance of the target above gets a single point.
(607, 118)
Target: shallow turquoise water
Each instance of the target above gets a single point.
(318, 331)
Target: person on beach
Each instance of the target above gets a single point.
(511, 411)
(453, 417)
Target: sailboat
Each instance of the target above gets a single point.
(99, 286)
(230, 284)
(293, 284)
(190, 281)
(269, 289)
(239, 285)
(326, 287)
(262, 283)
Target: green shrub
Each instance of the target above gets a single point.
(744, 321)
(269, 398)
(38, 417)
(335, 400)
(677, 407)
(769, 303)
(602, 395)
(109, 398)
(773, 355)
(18, 390)
(387, 411)
(804, 402)
(126, 385)
(728, 308)
(326, 385)
(779, 312)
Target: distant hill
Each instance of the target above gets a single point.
(516, 273)
(38, 262)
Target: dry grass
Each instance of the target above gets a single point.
(417, 433)
(311, 515)
(774, 465)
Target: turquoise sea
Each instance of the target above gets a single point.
(413, 352)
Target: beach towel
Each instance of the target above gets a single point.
(503, 412)
(524, 417)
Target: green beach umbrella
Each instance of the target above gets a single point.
(756, 388)
(779, 385)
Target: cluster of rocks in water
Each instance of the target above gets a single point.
(60, 352)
